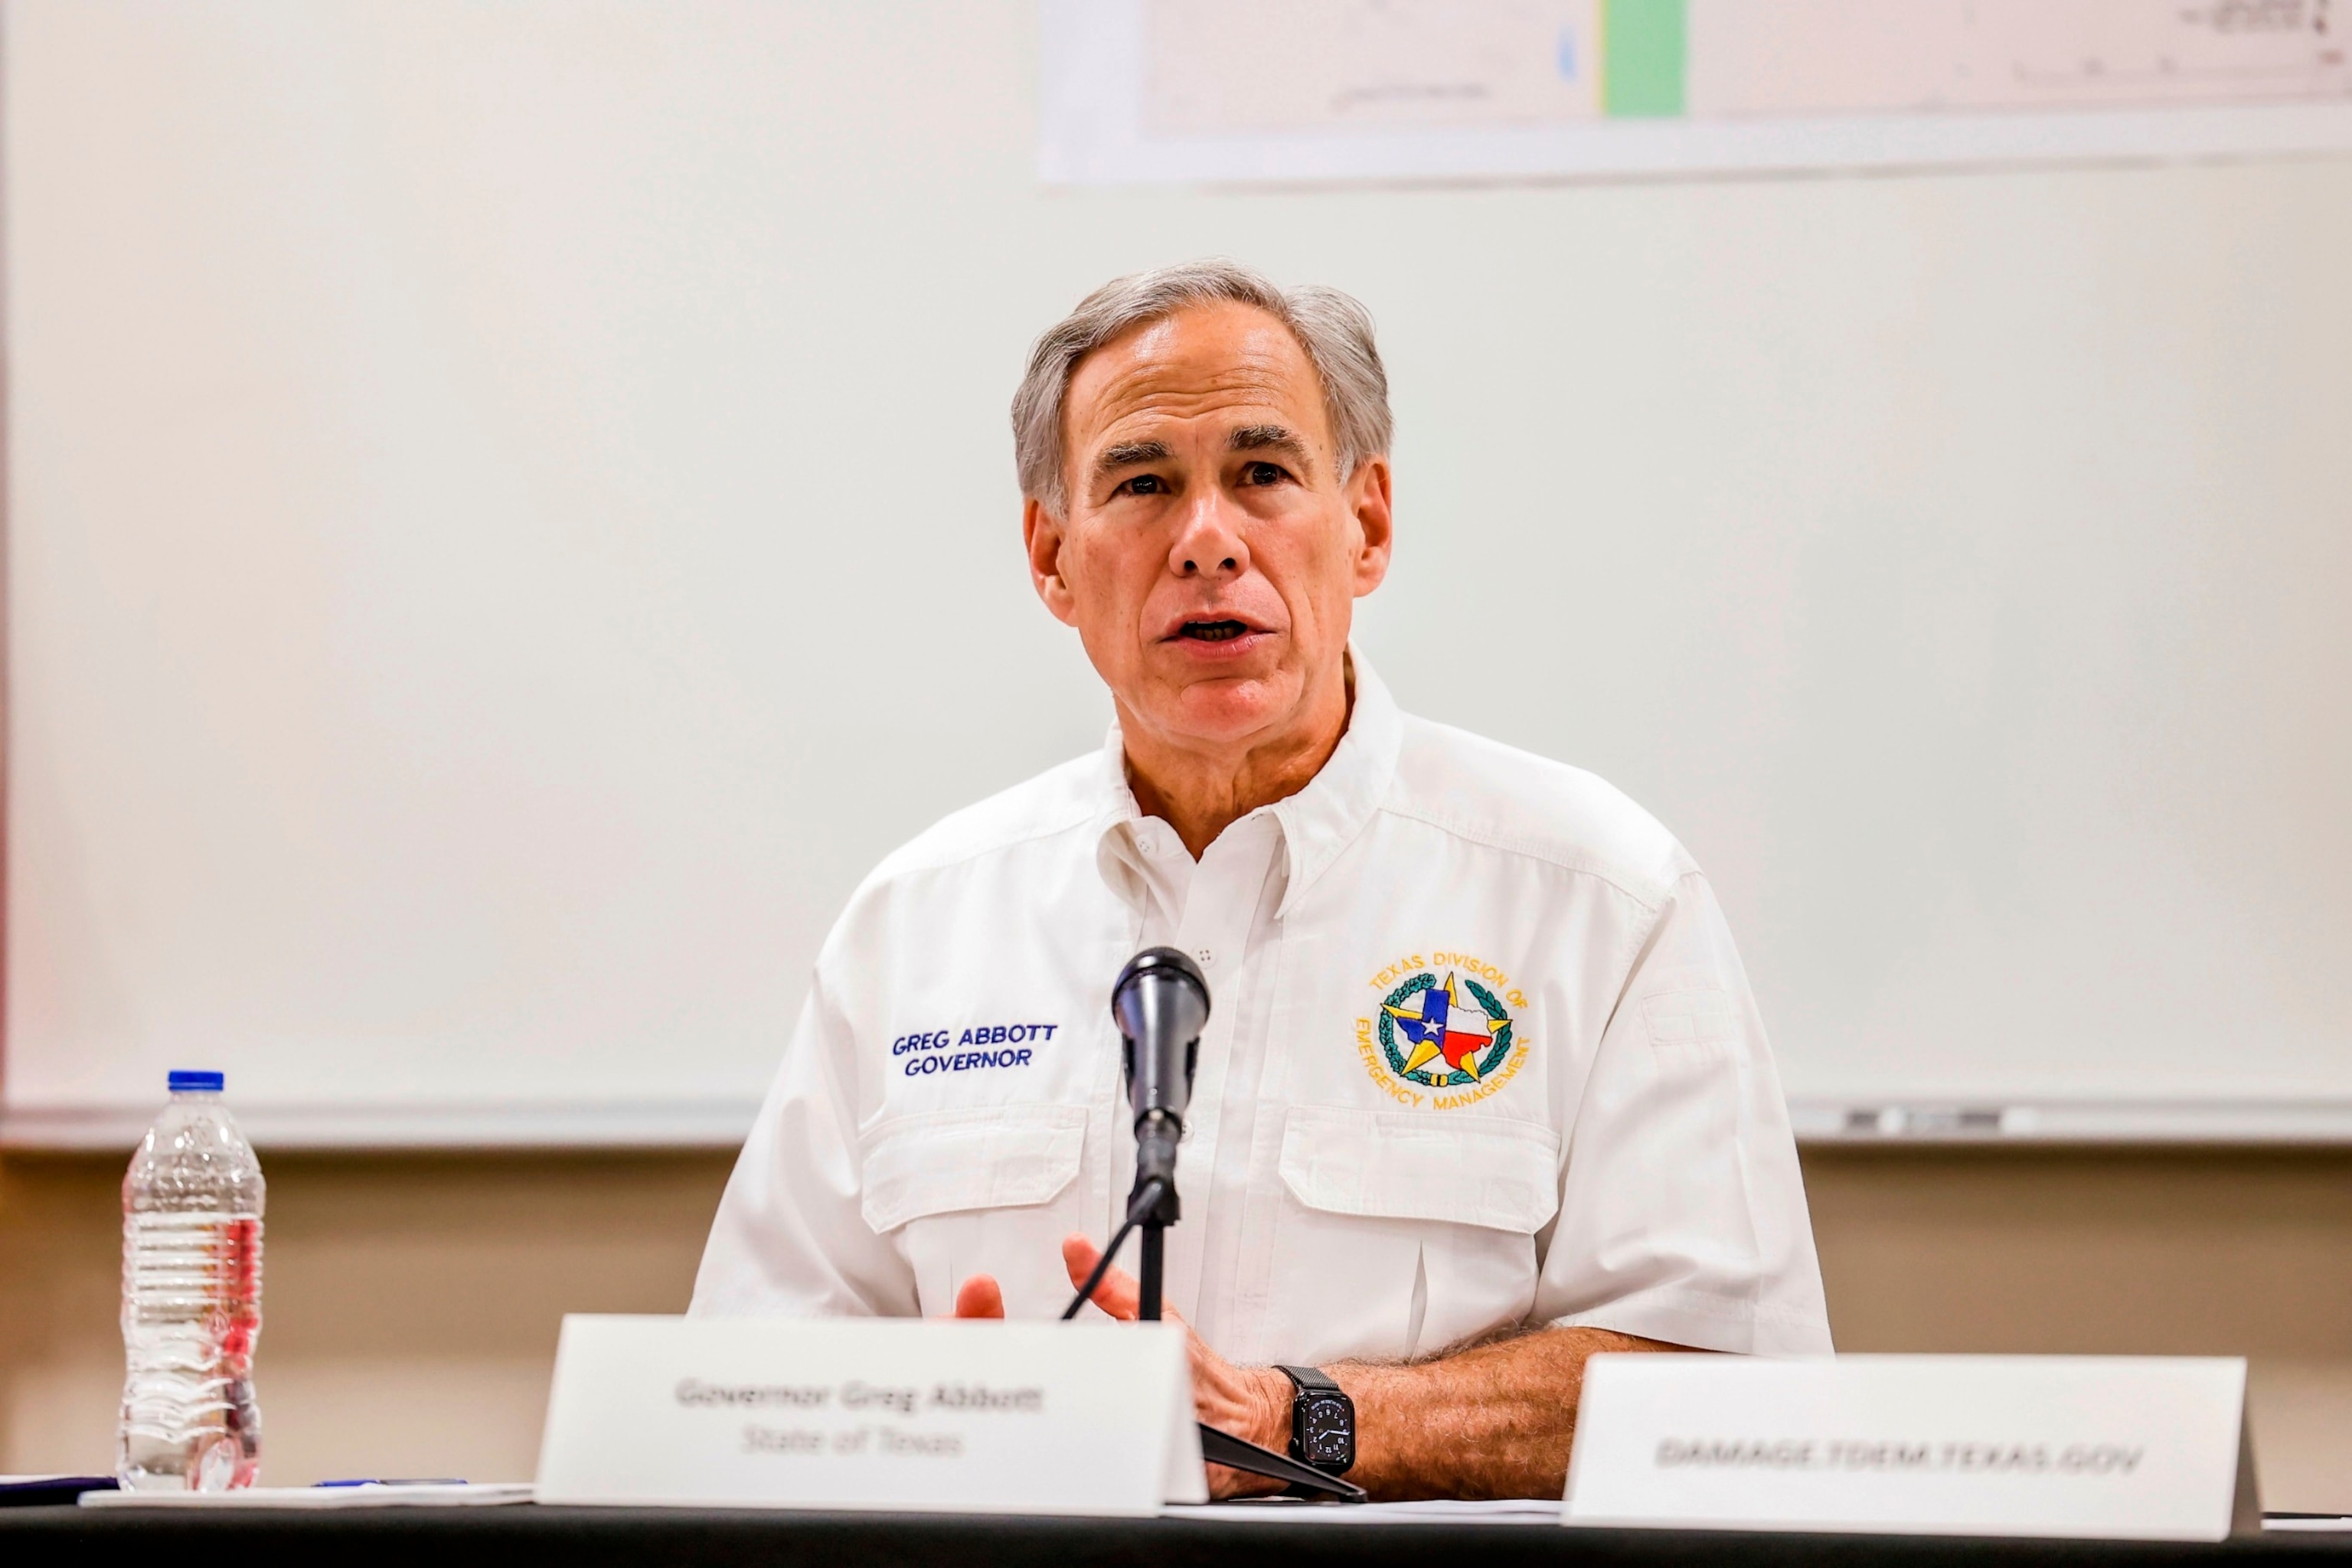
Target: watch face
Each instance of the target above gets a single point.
(1327, 1431)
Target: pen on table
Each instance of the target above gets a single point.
(415, 1481)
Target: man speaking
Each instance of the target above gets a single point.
(1484, 1089)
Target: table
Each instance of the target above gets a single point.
(521, 1535)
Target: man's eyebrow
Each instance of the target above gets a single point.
(1128, 454)
(1269, 439)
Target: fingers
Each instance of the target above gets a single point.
(1224, 1483)
(979, 1296)
(1119, 1294)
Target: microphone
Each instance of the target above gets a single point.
(1160, 1002)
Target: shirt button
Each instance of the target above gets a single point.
(1206, 957)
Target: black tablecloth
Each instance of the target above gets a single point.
(515, 1536)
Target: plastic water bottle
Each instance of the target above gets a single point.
(190, 1298)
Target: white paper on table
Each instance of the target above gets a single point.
(373, 1495)
(1452, 1510)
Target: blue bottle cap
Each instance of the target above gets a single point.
(202, 1082)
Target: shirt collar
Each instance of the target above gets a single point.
(1324, 818)
(1317, 823)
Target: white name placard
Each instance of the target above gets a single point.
(2122, 1446)
(835, 1412)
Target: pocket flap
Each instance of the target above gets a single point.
(988, 1157)
(1482, 1170)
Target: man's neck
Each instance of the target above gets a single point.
(1201, 793)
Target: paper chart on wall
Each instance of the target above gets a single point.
(1155, 90)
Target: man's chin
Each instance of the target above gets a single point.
(1226, 708)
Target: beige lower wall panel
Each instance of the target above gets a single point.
(451, 1416)
(412, 1302)
(2121, 1252)
(410, 1305)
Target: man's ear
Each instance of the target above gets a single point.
(1042, 536)
(1371, 501)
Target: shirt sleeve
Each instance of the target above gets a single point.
(1681, 1211)
(789, 1239)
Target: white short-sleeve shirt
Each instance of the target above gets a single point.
(1481, 1055)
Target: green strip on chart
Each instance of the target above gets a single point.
(1643, 50)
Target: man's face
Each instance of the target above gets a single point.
(1212, 552)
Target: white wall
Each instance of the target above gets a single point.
(510, 514)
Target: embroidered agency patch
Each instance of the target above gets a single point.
(1442, 1042)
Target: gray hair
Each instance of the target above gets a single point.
(1334, 329)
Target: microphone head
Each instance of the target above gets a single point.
(1163, 961)
(1161, 971)
(1160, 1002)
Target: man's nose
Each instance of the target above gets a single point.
(1209, 543)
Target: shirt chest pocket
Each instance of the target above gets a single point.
(1401, 1233)
(984, 1189)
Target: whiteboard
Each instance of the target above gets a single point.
(510, 514)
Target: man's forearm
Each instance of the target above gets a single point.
(1492, 1421)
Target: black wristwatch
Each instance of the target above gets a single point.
(1322, 1422)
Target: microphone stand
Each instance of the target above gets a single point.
(1153, 1205)
(1154, 1245)
(1155, 1167)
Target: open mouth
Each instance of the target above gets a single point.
(1211, 631)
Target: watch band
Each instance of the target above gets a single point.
(1309, 1379)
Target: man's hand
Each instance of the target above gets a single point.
(979, 1296)
(1251, 1401)
(1492, 1420)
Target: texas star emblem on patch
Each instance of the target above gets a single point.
(1435, 1027)
(1444, 1034)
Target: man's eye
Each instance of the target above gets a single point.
(1262, 474)
(1144, 485)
